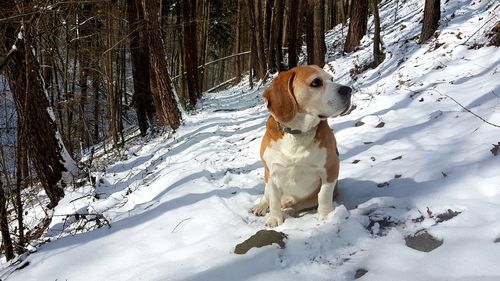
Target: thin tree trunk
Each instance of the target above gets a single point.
(293, 41)
(278, 12)
(8, 249)
(21, 175)
(239, 60)
(319, 48)
(255, 17)
(357, 25)
(432, 14)
(309, 29)
(139, 52)
(168, 105)
(190, 51)
(204, 43)
(378, 55)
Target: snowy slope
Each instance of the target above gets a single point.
(178, 206)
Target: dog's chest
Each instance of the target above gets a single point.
(296, 150)
(296, 163)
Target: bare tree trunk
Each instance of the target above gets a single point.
(168, 110)
(341, 11)
(378, 55)
(239, 60)
(293, 41)
(432, 14)
(8, 249)
(21, 176)
(139, 52)
(190, 51)
(96, 87)
(278, 12)
(309, 29)
(319, 48)
(204, 43)
(357, 25)
(47, 152)
(255, 17)
(275, 46)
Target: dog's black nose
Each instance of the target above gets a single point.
(344, 90)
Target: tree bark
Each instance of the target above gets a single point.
(21, 176)
(190, 51)
(293, 41)
(166, 105)
(357, 25)
(139, 53)
(238, 41)
(47, 152)
(275, 53)
(258, 45)
(8, 249)
(432, 14)
(315, 32)
(378, 55)
(319, 47)
(309, 30)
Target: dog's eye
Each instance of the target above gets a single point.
(316, 83)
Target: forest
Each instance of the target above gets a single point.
(85, 85)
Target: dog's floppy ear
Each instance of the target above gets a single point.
(279, 96)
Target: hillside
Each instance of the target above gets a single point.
(416, 168)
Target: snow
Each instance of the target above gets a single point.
(178, 206)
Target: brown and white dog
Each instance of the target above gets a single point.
(299, 150)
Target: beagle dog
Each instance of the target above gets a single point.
(299, 150)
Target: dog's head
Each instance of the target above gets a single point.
(306, 90)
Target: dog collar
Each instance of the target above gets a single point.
(289, 130)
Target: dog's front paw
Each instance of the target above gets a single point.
(274, 221)
(260, 209)
(323, 213)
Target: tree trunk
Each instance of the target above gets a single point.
(357, 25)
(47, 152)
(293, 41)
(279, 10)
(167, 105)
(204, 43)
(238, 42)
(190, 51)
(319, 48)
(8, 249)
(21, 176)
(139, 53)
(341, 11)
(315, 32)
(275, 52)
(378, 55)
(432, 13)
(258, 45)
(309, 29)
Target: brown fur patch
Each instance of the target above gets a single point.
(273, 133)
(327, 140)
(279, 96)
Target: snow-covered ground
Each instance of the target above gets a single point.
(412, 161)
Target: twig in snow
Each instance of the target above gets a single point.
(468, 110)
(477, 30)
(173, 230)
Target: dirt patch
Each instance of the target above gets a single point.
(423, 242)
(260, 239)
